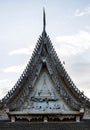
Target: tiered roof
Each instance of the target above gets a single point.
(44, 55)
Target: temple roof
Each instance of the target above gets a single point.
(44, 55)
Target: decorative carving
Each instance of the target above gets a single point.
(44, 94)
(44, 53)
(46, 118)
(24, 117)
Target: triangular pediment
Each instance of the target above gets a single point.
(44, 98)
(44, 56)
(44, 86)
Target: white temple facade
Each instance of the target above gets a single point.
(44, 91)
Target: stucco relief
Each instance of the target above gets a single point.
(44, 97)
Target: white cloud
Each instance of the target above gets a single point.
(87, 27)
(73, 44)
(8, 83)
(3, 81)
(79, 13)
(26, 51)
(14, 69)
(5, 86)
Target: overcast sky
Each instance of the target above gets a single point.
(68, 25)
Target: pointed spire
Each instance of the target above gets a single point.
(44, 20)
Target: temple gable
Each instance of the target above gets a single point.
(44, 97)
(45, 91)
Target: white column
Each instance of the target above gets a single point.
(77, 118)
(45, 119)
(12, 118)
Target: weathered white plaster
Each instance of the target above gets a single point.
(44, 97)
(86, 114)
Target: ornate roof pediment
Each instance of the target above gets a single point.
(45, 57)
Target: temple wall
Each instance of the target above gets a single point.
(86, 114)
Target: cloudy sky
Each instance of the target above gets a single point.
(68, 25)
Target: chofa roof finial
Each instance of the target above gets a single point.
(44, 19)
